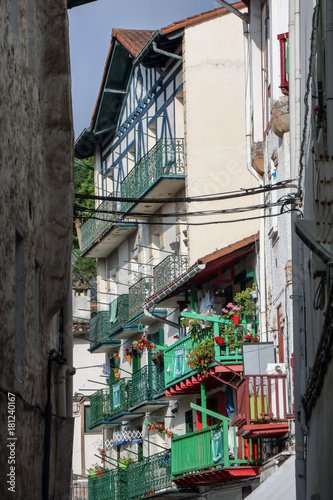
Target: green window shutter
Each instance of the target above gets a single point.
(189, 421)
(136, 362)
(87, 420)
(158, 337)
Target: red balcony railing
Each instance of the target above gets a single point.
(262, 406)
(284, 62)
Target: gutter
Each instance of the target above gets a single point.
(164, 53)
(192, 271)
(159, 318)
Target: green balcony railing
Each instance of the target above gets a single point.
(212, 448)
(97, 224)
(147, 383)
(100, 408)
(175, 361)
(166, 158)
(110, 401)
(138, 294)
(99, 328)
(138, 480)
(149, 476)
(168, 270)
(111, 485)
(120, 307)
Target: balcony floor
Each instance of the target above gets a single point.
(264, 430)
(191, 383)
(217, 475)
(112, 238)
(166, 186)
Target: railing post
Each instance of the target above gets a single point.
(225, 427)
(203, 403)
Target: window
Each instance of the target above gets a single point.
(87, 420)
(284, 62)
(189, 421)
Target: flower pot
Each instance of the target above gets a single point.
(128, 358)
(117, 375)
(92, 473)
(156, 361)
(99, 472)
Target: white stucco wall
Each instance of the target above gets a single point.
(215, 129)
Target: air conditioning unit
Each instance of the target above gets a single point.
(276, 369)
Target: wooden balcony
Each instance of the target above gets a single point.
(262, 406)
(213, 455)
(179, 378)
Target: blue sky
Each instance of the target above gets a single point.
(90, 29)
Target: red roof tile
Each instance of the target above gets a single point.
(134, 41)
(199, 18)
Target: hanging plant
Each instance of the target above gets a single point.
(245, 301)
(201, 356)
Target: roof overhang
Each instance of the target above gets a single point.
(204, 269)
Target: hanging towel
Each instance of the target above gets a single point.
(229, 400)
(113, 307)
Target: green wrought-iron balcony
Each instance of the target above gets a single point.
(119, 312)
(159, 174)
(138, 294)
(138, 480)
(102, 233)
(147, 383)
(99, 328)
(108, 402)
(168, 270)
(214, 454)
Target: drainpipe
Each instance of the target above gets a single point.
(164, 53)
(248, 134)
(329, 74)
(66, 370)
(297, 260)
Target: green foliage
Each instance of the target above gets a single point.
(84, 184)
(83, 268)
(245, 302)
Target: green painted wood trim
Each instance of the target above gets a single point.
(204, 403)
(211, 413)
(192, 299)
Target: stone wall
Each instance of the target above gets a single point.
(36, 176)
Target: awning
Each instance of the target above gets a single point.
(281, 484)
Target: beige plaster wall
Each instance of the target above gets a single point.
(215, 129)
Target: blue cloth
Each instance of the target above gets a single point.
(229, 400)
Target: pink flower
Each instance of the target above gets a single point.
(230, 304)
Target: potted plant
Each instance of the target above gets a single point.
(116, 372)
(157, 357)
(95, 470)
(201, 356)
(116, 358)
(128, 355)
(125, 461)
(245, 302)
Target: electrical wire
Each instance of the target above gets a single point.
(197, 213)
(130, 223)
(201, 198)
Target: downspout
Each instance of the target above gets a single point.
(164, 53)
(297, 261)
(329, 74)
(248, 133)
